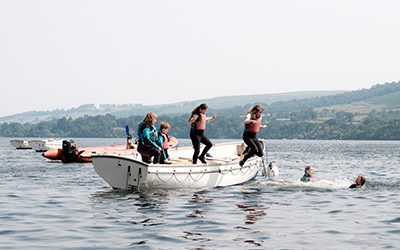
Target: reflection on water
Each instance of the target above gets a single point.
(200, 197)
(254, 211)
(194, 237)
(152, 201)
(110, 193)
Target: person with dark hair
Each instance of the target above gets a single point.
(148, 139)
(358, 182)
(164, 142)
(308, 175)
(198, 120)
(252, 125)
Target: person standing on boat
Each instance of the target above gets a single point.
(198, 120)
(252, 125)
(164, 142)
(148, 139)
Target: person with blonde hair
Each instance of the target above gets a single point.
(148, 139)
(252, 125)
(198, 121)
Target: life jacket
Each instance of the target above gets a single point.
(306, 178)
(254, 127)
(165, 140)
(153, 132)
(200, 123)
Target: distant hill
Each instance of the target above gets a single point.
(360, 102)
(389, 101)
(126, 110)
(241, 100)
(380, 95)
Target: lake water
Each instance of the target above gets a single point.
(50, 205)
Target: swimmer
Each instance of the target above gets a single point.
(308, 175)
(358, 182)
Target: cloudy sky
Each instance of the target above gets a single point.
(61, 54)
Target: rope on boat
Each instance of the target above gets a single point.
(202, 173)
(176, 178)
(162, 179)
(196, 180)
(174, 175)
(238, 172)
(249, 168)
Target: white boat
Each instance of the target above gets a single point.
(44, 145)
(20, 144)
(222, 169)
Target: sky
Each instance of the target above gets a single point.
(61, 54)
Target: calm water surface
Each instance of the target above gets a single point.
(51, 205)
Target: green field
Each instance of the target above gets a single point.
(390, 100)
(378, 103)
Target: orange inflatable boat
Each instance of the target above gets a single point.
(70, 153)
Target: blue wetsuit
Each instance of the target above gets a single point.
(306, 178)
(148, 143)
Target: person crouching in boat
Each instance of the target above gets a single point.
(252, 125)
(164, 142)
(308, 175)
(198, 120)
(358, 182)
(148, 139)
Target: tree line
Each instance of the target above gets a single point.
(298, 124)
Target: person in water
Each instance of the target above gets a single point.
(164, 142)
(308, 175)
(252, 125)
(148, 139)
(358, 182)
(198, 120)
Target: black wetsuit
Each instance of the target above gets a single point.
(253, 144)
(197, 136)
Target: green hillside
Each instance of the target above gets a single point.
(126, 110)
(241, 100)
(378, 103)
(391, 100)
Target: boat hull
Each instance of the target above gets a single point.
(44, 145)
(20, 144)
(125, 172)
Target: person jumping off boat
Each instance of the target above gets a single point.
(252, 125)
(198, 120)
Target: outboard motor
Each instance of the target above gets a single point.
(69, 151)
